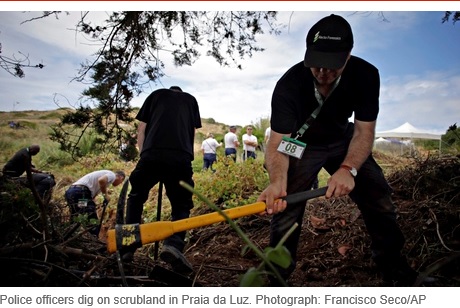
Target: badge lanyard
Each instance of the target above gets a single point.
(294, 147)
(315, 112)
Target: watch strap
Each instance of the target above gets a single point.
(349, 168)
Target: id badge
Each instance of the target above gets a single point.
(292, 147)
(82, 203)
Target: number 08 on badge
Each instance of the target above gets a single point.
(292, 147)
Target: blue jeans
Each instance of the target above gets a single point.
(250, 154)
(371, 194)
(208, 160)
(76, 193)
(231, 152)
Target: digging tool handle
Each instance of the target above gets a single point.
(305, 195)
(120, 218)
(160, 197)
(104, 206)
(136, 235)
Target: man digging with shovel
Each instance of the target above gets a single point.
(81, 194)
(311, 105)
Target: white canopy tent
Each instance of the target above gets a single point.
(382, 140)
(408, 131)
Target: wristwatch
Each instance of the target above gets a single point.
(352, 170)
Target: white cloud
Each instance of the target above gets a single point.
(427, 99)
(430, 101)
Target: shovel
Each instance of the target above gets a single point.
(136, 235)
(104, 207)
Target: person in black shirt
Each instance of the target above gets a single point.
(167, 123)
(312, 103)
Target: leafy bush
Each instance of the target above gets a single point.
(451, 140)
(17, 207)
(232, 184)
(52, 157)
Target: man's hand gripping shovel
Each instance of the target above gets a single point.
(136, 235)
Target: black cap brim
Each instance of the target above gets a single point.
(321, 59)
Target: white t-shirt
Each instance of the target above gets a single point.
(251, 138)
(210, 146)
(91, 180)
(230, 139)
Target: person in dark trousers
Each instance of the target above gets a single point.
(167, 123)
(312, 104)
(18, 164)
(249, 144)
(231, 142)
(81, 194)
(209, 148)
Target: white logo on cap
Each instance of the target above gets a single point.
(325, 37)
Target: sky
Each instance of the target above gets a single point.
(417, 55)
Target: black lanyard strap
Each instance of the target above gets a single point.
(315, 112)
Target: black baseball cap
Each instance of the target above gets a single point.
(329, 42)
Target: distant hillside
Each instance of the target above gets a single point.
(33, 119)
(33, 116)
(53, 116)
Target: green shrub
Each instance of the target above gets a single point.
(232, 184)
(17, 207)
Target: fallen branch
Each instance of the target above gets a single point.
(435, 267)
(433, 215)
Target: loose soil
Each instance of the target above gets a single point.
(333, 248)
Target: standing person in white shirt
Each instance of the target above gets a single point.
(249, 144)
(231, 143)
(209, 147)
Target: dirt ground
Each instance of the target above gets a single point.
(333, 249)
(334, 245)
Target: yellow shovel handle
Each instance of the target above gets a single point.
(136, 235)
(159, 230)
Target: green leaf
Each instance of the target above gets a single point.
(279, 256)
(252, 278)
